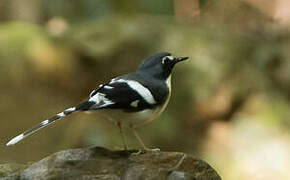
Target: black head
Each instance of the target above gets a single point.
(159, 65)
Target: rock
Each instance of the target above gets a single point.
(100, 163)
(6, 169)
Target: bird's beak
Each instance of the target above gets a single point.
(179, 59)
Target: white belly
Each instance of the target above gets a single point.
(133, 119)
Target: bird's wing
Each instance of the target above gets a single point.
(128, 95)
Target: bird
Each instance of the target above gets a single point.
(129, 100)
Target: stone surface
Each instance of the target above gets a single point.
(103, 164)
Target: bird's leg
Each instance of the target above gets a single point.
(123, 136)
(141, 142)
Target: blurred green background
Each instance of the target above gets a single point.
(230, 102)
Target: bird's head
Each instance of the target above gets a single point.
(159, 65)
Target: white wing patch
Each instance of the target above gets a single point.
(99, 98)
(108, 87)
(140, 89)
(134, 103)
(92, 93)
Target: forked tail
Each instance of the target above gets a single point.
(81, 107)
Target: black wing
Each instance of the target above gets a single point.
(118, 95)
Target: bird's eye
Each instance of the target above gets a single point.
(167, 59)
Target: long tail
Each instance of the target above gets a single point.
(81, 107)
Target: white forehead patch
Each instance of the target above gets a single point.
(168, 57)
(171, 58)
